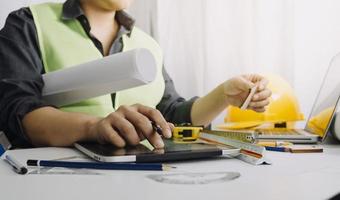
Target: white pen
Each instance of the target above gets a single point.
(18, 167)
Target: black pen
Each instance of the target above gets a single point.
(17, 166)
(156, 128)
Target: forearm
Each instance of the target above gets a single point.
(48, 126)
(206, 108)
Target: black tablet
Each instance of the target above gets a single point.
(141, 153)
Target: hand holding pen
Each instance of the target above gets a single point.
(129, 125)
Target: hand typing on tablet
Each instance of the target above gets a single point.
(129, 125)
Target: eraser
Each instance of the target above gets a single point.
(250, 96)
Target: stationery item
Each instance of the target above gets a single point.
(157, 128)
(258, 150)
(100, 165)
(250, 96)
(296, 149)
(250, 153)
(186, 133)
(306, 149)
(280, 149)
(274, 143)
(99, 77)
(141, 154)
(17, 166)
(243, 136)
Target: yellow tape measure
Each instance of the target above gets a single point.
(186, 133)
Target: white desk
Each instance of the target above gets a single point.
(291, 176)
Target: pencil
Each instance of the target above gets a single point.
(101, 165)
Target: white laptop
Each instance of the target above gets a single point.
(325, 105)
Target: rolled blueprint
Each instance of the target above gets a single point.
(99, 77)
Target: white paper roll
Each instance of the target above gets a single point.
(99, 77)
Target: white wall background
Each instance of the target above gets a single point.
(206, 42)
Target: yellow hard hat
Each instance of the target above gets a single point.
(318, 123)
(283, 108)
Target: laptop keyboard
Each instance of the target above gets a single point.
(278, 132)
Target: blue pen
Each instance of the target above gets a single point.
(280, 149)
(100, 165)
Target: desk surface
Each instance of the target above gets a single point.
(291, 176)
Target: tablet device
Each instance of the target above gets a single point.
(141, 154)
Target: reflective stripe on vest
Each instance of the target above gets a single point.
(64, 43)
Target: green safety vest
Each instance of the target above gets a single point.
(64, 43)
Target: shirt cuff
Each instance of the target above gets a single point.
(182, 113)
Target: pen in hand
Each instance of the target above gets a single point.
(156, 128)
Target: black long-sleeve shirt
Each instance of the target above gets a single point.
(21, 70)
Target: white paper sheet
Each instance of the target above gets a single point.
(103, 76)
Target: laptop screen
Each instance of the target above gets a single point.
(326, 102)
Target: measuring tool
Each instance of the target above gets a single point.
(244, 141)
(244, 136)
(246, 148)
(191, 133)
(250, 153)
(186, 133)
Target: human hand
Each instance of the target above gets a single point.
(237, 89)
(129, 125)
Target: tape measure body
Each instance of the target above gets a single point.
(186, 133)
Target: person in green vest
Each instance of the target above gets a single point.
(53, 36)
